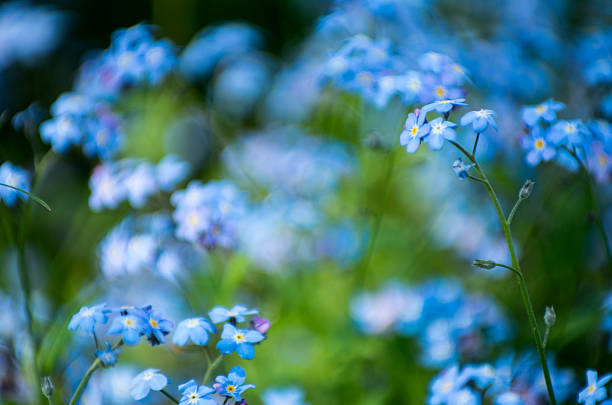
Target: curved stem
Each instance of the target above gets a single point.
(519, 274)
(97, 363)
(211, 367)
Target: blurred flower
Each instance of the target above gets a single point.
(233, 385)
(439, 131)
(547, 112)
(16, 177)
(480, 120)
(196, 329)
(149, 379)
(538, 146)
(283, 396)
(443, 106)
(261, 325)
(86, 319)
(461, 169)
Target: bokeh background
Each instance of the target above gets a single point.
(357, 252)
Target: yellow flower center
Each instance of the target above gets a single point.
(445, 101)
(591, 389)
(153, 323)
(239, 337)
(230, 388)
(440, 91)
(539, 143)
(193, 219)
(602, 159)
(128, 322)
(414, 130)
(541, 108)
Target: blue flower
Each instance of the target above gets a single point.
(61, 132)
(480, 120)
(461, 169)
(149, 379)
(130, 326)
(509, 398)
(233, 385)
(87, 317)
(595, 390)
(571, 133)
(439, 131)
(237, 312)
(443, 106)
(547, 111)
(192, 394)
(239, 340)
(158, 327)
(108, 356)
(16, 177)
(446, 388)
(538, 147)
(414, 131)
(196, 329)
(170, 171)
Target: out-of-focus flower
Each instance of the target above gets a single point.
(284, 396)
(538, 146)
(480, 120)
(443, 106)
(108, 356)
(461, 169)
(238, 313)
(16, 177)
(143, 383)
(194, 329)
(546, 111)
(86, 319)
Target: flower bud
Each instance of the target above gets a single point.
(47, 387)
(484, 264)
(261, 325)
(549, 316)
(526, 190)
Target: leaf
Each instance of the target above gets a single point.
(32, 196)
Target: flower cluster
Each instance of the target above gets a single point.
(572, 143)
(371, 68)
(509, 381)
(133, 180)
(86, 117)
(448, 322)
(13, 176)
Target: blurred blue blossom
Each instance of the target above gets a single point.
(480, 120)
(194, 329)
(86, 319)
(546, 112)
(108, 356)
(238, 313)
(16, 177)
(595, 390)
(143, 383)
(538, 146)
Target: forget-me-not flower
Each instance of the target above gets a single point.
(237, 312)
(108, 356)
(196, 329)
(149, 379)
(87, 317)
(192, 394)
(595, 390)
(546, 111)
(414, 131)
(233, 385)
(480, 120)
(239, 341)
(439, 131)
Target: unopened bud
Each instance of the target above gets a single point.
(261, 325)
(47, 387)
(549, 316)
(484, 264)
(526, 189)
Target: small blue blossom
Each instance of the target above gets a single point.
(61, 132)
(538, 147)
(480, 120)
(414, 131)
(192, 394)
(233, 385)
(16, 177)
(239, 341)
(461, 169)
(108, 356)
(570, 133)
(547, 112)
(130, 326)
(509, 398)
(237, 312)
(447, 388)
(196, 329)
(443, 106)
(158, 327)
(170, 171)
(439, 131)
(149, 379)
(86, 319)
(595, 390)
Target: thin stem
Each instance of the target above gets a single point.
(593, 203)
(97, 363)
(365, 264)
(519, 275)
(210, 368)
(169, 396)
(50, 400)
(469, 176)
(513, 211)
(475, 144)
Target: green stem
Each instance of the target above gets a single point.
(475, 144)
(519, 274)
(210, 368)
(594, 206)
(97, 363)
(169, 396)
(365, 264)
(513, 211)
